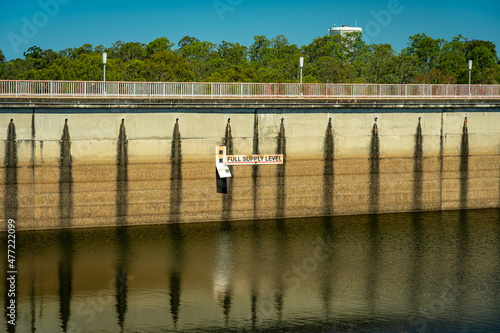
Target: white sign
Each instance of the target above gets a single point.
(221, 157)
(254, 159)
(221, 162)
(223, 170)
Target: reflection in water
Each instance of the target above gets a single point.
(463, 250)
(255, 262)
(373, 258)
(281, 248)
(121, 283)
(32, 303)
(326, 264)
(223, 270)
(417, 246)
(382, 273)
(66, 251)
(176, 253)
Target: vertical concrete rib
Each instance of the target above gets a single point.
(418, 169)
(281, 173)
(65, 180)
(374, 186)
(176, 175)
(441, 162)
(328, 172)
(122, 177)
(227, 200)
(464, 166)
(11, 204)
(255, 168)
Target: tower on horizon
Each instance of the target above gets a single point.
(344, 29)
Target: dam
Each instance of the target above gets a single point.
(83, 160)
(302, 244)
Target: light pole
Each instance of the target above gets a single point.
(301, 64)
(104, 59)
(470, 71)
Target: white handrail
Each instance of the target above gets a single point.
(98, 89)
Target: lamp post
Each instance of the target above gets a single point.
(104, 59)
(470, 71)
(301, 64)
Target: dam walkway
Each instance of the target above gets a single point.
(214, 90)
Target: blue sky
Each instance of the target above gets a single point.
(61, 24)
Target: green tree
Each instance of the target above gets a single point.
(327, 59)
(260, 48)
(33, 52)
(14, 69)
(167, 66)
(157, 45)
(135, 70)
(131, 51)
(87, 67)
(235, 73)
(454, 59)
(492, 75)
(200, 51)
(331, 70)
(233, 53)
(404, 67)
(266, 74)
(380, 64)
(187, 40)
(326, 46)
(427, 51)
(484, 60)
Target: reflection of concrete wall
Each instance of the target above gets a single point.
(94, 134)
(387, 267)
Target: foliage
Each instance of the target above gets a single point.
(328, 59)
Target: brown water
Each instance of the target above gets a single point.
(426, 272)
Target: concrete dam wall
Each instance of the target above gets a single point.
(106, 165)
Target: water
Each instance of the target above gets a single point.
(425, 272)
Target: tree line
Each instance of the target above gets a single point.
(328, 59)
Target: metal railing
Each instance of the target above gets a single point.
(92, 89)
